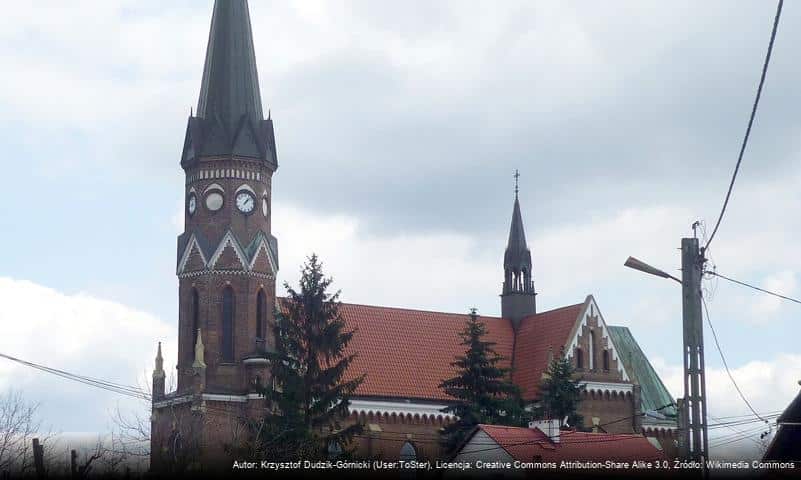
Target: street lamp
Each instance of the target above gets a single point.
(644, 267)
(692, 408)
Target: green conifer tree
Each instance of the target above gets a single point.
(560, 393)
(309, 396)
(482, 387)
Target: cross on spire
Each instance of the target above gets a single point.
(517, 176)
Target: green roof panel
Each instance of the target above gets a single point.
(653, 393)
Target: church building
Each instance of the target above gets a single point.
(227, 261)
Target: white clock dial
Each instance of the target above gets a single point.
(245, 202)
(192, 204)
(264, 206)
(214, 201)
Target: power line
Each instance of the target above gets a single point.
(741, 432)
(748, 415)
(94, 382)
(740, 422)
(140, 394)
(750, 122)
(726, 364)
(753, 286)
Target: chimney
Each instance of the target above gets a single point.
(548, 427)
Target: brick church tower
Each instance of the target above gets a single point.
(227, 256)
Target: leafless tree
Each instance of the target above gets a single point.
(19, 424)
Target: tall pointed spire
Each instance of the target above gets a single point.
(517, 256)
(518, 296)
(517, 253)
(229, 120)
(230, 85)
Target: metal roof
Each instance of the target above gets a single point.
(229, 121)
(230, 85)
(517, 254)
(653, 393)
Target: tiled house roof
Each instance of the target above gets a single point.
(525, 444)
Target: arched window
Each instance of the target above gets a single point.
(227, 338)
(334, 450)
(408, 452)
(606, 360)
(260, 309)
(591, 351)
(195, 319)
(579, 358)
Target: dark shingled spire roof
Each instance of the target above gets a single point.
(517, 253)
(230, 85)
(229, 119)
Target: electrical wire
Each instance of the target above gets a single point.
(400, 437)
(726, 364)
(750, 123)
(94, 382)
(741, 432)
(711, 272)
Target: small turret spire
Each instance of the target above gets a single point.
(199, 352)
(158, 377)
(158, 372)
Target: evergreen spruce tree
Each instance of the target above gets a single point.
(310, 397)
(482, 388)
(560, 393)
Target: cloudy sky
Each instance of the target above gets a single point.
(399, 125)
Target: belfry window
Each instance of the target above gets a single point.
(260, 309)
(227, 337)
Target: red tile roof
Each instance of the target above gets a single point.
(525, 444)
(407, 353)
(537, 335)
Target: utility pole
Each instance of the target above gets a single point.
(694, 406)
(38, 459)
(693, 440)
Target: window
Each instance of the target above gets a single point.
(591, 351)
(408, 452)
(334, 450)
(260, 308)
(606, 360)
(227, 325)
(579, 358)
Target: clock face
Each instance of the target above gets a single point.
(191, 204)
(245, 202)
(264, 206)
(214, 201)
